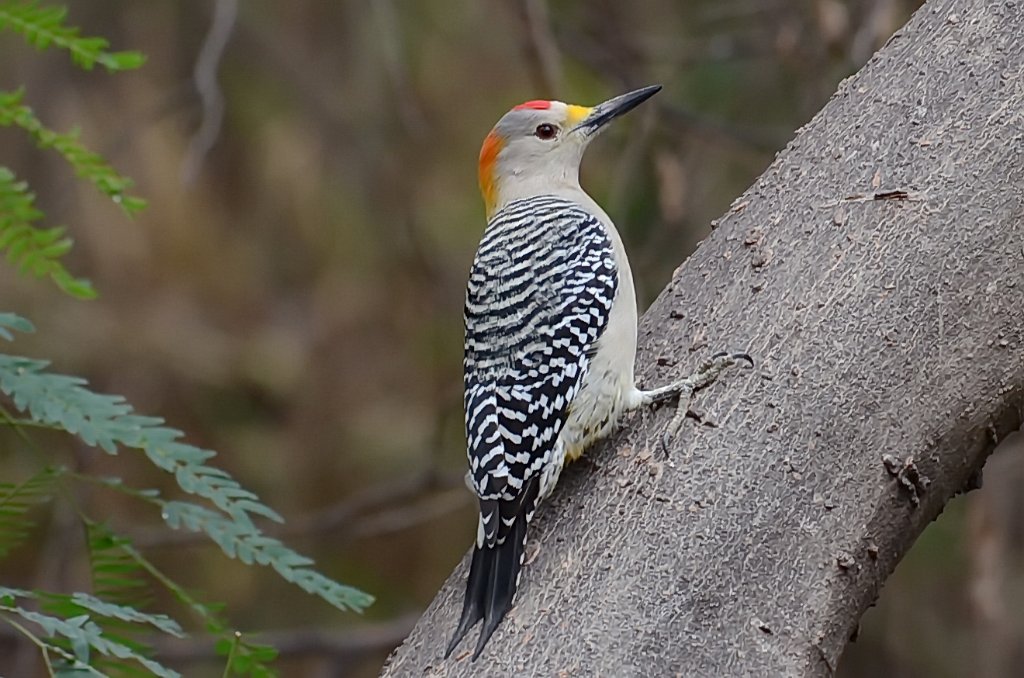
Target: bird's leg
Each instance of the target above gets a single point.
(684, 389)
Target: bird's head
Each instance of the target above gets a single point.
(537, 146)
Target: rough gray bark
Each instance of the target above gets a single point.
(890, 326)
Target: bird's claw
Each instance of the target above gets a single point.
(705, 376)
(733, 358)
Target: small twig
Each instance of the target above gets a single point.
(542, 48)
(884, 195)
(410, 515)
(896, 194)
(339, 644)
(633, 156)
(344, 519)
(205, 76)
(621, 66)
(408, 109)
(44, 649)
(235, 640)
(760, 140)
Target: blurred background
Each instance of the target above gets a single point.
(293, 295)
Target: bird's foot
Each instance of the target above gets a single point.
(684, 389)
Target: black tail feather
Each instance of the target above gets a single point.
(494, 573)
(476, 592)
(504, 581)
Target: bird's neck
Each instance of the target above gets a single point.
(521, 187)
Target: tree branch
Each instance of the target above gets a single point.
(881, 327)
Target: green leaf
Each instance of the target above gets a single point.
(86, 164)
(29, 248)
(251, 546)
(82, 633)
(43, 26)
(109, 422)
(85, 604)
(246, 658)
(116, 575)
(254, 656)
(10, 321)
(16, 500)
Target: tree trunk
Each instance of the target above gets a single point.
(875, 272)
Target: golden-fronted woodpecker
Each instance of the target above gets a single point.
(551, 328)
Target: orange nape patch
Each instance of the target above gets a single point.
(488, 158)
(536, 104)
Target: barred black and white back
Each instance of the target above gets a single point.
(540, 293)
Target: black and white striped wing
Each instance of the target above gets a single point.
(539, 297)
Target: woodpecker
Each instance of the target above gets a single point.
(551, 330)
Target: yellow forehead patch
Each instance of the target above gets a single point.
(578, 113)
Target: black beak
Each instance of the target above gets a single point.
(604, 113)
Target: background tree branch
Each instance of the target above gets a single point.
(876, 273)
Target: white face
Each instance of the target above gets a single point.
(546, 139)
(537, 146)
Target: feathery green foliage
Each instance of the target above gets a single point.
(119, 570)
(31, 249)
(16, 500)
(78, 603)
(116, 575)
(120, 579)
(10, 321)
(87, 164)
(252, 546)
(103, 632)
(43, 26)
(108, 422)
(81, 633)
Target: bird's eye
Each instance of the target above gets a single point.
(546, 131)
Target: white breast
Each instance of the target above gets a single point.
(609, 386)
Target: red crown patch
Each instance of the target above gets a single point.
(536, 104)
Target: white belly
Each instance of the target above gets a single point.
(608, 385)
